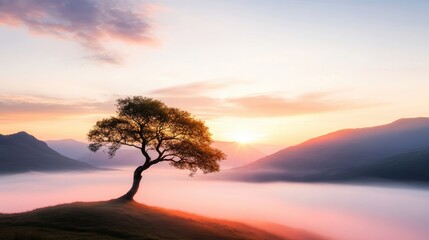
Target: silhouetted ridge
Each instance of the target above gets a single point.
(26, 141)
(21, 152)
(18, 138)
(411, 121)
(348, 154)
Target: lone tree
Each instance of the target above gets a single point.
(161, 133)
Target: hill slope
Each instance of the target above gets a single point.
(121, 220)
(409, 166)
(22, 152)
(396, 151)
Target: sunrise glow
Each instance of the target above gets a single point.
(298, 119)
(244, 137)
(221, 68)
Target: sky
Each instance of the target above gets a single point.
(274, 72)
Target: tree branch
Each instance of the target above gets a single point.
(157, 148)
(144, 152)
(156, 161)
(128, 144)
(171, 160)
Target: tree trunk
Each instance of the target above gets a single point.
(129, 196)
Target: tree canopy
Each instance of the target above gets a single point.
(161, 133)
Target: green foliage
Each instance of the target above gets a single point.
(149, 125)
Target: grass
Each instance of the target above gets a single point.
(111, 220)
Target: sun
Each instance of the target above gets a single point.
(244, 137)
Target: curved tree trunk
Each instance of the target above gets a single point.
(129, 196)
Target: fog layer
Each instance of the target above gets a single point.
(352, 212)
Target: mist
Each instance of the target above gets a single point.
(338, 211)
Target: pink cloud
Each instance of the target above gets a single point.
(34, 108)
(196, 88)
(272, 106)
(197, 102)
(194, 97)
(89, 22)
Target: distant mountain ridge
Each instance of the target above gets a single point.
(69, 147)
(21, 152)
(396, 151)
(237, 154)
(125, 156)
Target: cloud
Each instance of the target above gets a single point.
(194, 97)
(39, 108)
(260, 106)
(28, 108)
(196, 88)
(271, 106)
(89, 22)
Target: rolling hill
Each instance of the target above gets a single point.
(21, 152)
(114, 219)
(396, 151)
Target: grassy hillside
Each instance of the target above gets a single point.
(288, 232)
(121, 220)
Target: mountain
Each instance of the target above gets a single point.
(238, 154)
(79, 150)
(396, 151)
(409, 166)
(21, 152)
(113, 220)
(69, 147)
